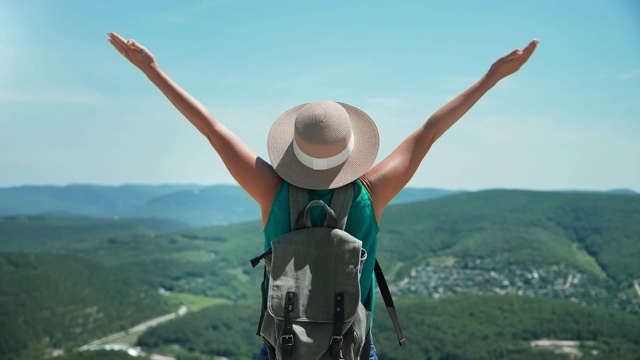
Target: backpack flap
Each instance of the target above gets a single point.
(316, 263)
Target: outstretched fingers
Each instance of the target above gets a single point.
(117, 39)
(137, 54)
(528, 50)
(520, 56)
(118, 43)
(513, 61)
(124, 46)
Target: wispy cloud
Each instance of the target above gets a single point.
(71, 97)
(635, 73)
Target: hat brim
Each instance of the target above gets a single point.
(287, 165)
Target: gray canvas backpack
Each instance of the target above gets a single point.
(313, 309)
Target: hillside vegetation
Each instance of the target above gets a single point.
(578, 247)
(469, 328)
(595, 233)
(213, 262)
(63, 301)
(45, 233)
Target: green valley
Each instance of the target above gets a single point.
(483, 273)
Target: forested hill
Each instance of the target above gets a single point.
(596, 233)
(571, 256)
(579, 247)
(43, 233)
(57, 301)
(466, 327)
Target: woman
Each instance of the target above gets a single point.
(321, 146)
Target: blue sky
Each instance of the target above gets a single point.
(72, 110)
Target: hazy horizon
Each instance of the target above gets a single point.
(235, 184)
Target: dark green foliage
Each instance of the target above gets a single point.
(223, 330)
(96, 355)
(501, 228)
(593, 234)
(473, 327)
(609, 230)
(159, 225)
(212, 262)
(39, 351)
(189, 261)
(500, 327)
(63, 301)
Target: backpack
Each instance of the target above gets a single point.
(313, 308)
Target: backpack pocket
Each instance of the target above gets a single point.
(312, 341)
(316, 264)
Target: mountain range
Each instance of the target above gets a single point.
(161, 208)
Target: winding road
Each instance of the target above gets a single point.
(136, 329)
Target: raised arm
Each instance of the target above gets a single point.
(255, 175)
(387, 178)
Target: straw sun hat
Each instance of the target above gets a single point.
(323, 144)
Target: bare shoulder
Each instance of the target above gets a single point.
(369, 183)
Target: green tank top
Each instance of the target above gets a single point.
(361, 224)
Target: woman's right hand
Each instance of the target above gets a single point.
(137, 54)
(511, 62)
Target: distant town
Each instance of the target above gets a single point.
(480, 278)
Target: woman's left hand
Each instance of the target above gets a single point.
(137, 54)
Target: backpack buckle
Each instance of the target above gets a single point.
(336, 341)
(286, 343)
(286, 340)
(336, 347)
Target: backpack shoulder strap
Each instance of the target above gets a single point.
(341, 203)
(388, 301)
(298, 201)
